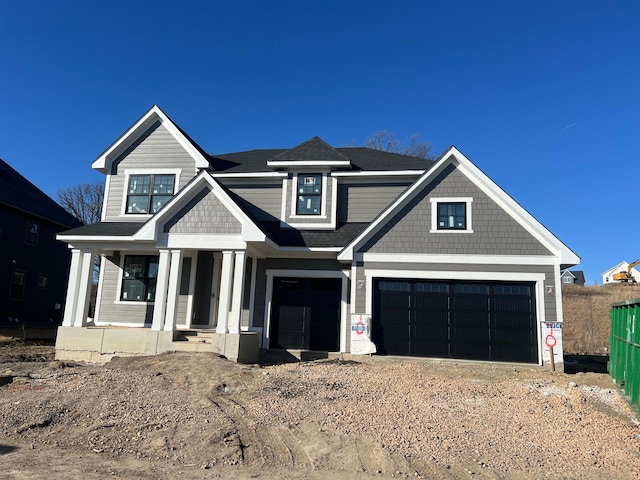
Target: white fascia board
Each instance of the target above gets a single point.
(153, 115)
(93, 238)
(250, 231)
(310, 249)
(201, 241)
(379, 173)
(307, 163)
(249, 175)
(459, 259)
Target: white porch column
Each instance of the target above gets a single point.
(85, 272)
(226, 278)
(238, 291)
(174, 289)
(160, 304)
(72, 288)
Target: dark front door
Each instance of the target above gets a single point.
(305, 313)
(455, 319)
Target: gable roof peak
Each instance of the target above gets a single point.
(313, 152)
(150, 118)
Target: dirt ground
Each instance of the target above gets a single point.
(198, 416)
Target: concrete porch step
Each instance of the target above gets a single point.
(194, 336)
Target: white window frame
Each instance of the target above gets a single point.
(176, 172)
(468, 214)
(294, 197)
(566, 279)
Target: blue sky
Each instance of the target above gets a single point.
(540, 95)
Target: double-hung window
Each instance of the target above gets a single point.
(139, 276)
(148, 193)
(17, 285)
(31, 236)
(309, 194)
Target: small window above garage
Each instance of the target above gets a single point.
(451, 215)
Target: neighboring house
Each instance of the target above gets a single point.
(573, 277)
(35, 265)
(607, 275)
(285, 248)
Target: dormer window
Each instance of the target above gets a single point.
(309, 194)
(148, 193)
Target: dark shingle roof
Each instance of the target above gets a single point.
(339, 237)
(314, 149)
(108, 229)
(18, 192)
(362, 158)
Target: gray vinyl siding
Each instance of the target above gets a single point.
(360, 202)
(494, 231)
(205, 214)
(183, 296)
(283, 264)
(246, 294)
(126, 312)
(264, 201)
(156, 149)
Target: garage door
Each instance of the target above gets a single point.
(453, 319)
(305, 313)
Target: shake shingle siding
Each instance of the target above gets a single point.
(157, 149)
(494, 231)
(205, 214)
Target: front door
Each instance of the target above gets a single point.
(204, 304)
(306, 313)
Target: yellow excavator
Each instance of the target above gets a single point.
(626, 277)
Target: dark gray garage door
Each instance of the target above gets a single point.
(453, 319)
(305, 313)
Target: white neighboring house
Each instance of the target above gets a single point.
(607, 275)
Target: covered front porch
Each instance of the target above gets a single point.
(192, 290)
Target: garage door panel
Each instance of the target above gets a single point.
(470, 351)
(470, 320)
(512, 354)
(430, 349)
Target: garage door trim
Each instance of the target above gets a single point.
(537, 278)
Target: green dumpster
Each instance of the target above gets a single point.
(624, 358)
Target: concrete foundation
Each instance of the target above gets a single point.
(101, 344)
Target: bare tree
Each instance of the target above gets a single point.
(388, 142)
(83, 201)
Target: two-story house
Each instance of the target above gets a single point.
(284, 249)
(35, 265)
